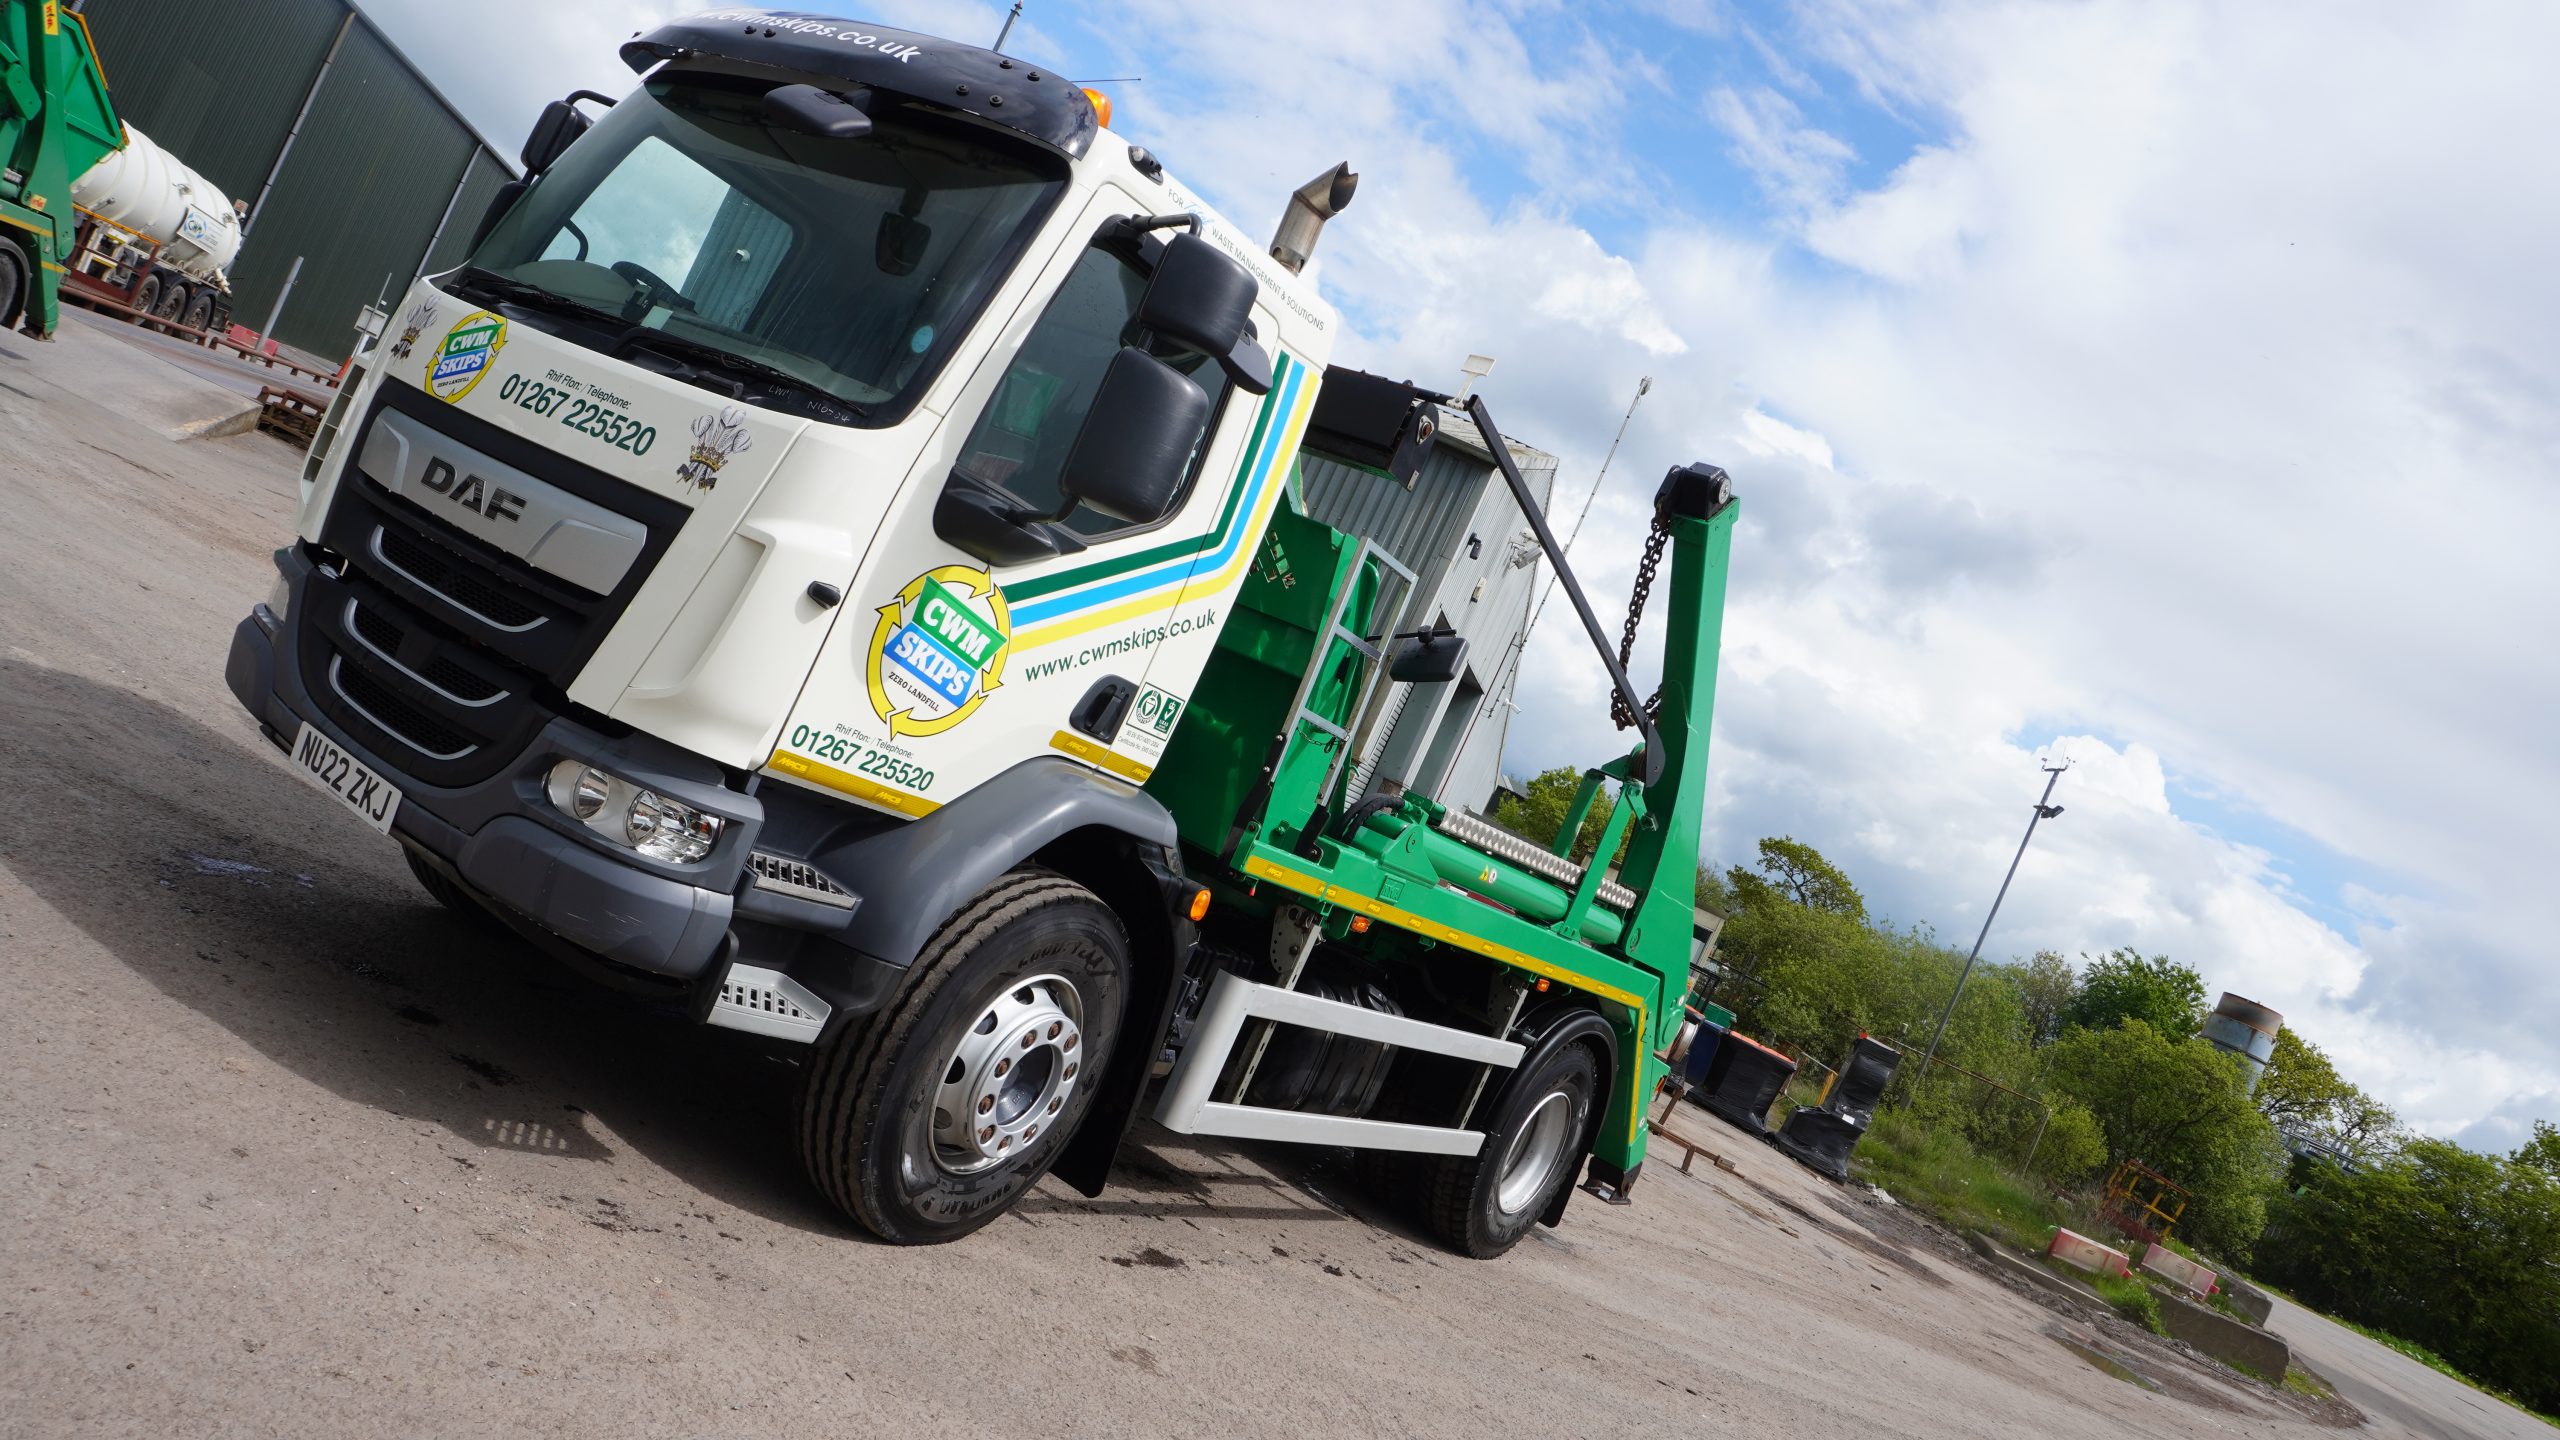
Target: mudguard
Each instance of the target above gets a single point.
(912, 877)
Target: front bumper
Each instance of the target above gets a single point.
(658, 924)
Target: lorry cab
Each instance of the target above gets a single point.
(774, 570)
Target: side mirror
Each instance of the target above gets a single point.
(1136, 443)
(1202, 299)
(560, 126)
(1435, 658)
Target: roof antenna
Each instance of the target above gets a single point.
(1008, 26)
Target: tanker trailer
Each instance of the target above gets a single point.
(155, 235)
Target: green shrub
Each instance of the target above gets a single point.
(2074, 1147)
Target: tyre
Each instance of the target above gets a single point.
(200, 310)
(146, 296)
(929, 1118)
(1481, 1204)
(173, 298)
(13, 285)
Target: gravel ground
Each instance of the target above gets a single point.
(286, 1150)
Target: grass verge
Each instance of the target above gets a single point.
(1936, 1171)
(2132, 1298)
(2414, 1351)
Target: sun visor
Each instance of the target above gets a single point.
(1027, 99)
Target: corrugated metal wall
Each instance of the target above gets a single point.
(464, 217)
(218, 84)
(1458, 494)
(361, 190)
(367, 181)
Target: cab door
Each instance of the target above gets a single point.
(949, 663)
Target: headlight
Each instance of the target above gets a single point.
(630, 816)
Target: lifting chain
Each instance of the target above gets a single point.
(1653, 543)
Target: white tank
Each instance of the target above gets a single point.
(146, 189)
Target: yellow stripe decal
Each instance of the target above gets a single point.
(1193, 587)
(1309, 885)
(871, 791)
(1093, 754)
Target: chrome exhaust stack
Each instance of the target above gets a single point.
(1310, 205)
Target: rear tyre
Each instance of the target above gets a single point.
(931, 1117)
(173, 298)
(1480, 1205)
(13, 285)
(146, 296)
(200, 310)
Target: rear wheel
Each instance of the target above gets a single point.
(13, 285)
(931, 1117)
(200, 310)
(173, 298)
(146, 296)
(1481, 1204)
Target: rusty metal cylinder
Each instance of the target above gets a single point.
(2246, 1029)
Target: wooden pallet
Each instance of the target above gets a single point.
(291, 413)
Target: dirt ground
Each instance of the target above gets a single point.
(287, 1150)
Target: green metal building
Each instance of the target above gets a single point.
(348, 157)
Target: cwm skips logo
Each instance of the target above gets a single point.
(464, 357)
(938, 650)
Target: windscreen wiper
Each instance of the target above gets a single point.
(703, 356)
(492, 285)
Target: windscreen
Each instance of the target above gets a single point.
(851, 265)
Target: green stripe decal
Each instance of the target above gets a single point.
(1039, 585)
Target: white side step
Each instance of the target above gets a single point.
(768, 1002)
(1186, 1108)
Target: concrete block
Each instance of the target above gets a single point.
(2260, 1352)
(2177, 1269)
(2248, 1300)
(2072, 1248)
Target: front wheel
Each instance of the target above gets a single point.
(1481, 1204)
(931, 1117)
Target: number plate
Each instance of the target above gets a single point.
(318, 759)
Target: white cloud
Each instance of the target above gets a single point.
(2188, 399)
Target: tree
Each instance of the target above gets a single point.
(2046, 987)
(1797, 875)
(2307, 1100)
(2542, 1152)
(1549, 797)
(2442, 1246)
(2181, 1106)
(2127, 985)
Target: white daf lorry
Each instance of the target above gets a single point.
(777, 572)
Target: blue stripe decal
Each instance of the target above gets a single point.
(1033, 612)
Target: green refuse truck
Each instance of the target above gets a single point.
(831, 560)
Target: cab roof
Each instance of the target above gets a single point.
(1014, 94)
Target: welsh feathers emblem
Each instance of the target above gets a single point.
(715, 439)
(421, 315)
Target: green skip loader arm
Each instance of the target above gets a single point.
(1418, 886)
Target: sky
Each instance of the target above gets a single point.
(2171, 387)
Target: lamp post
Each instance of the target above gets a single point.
(2045, 809)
